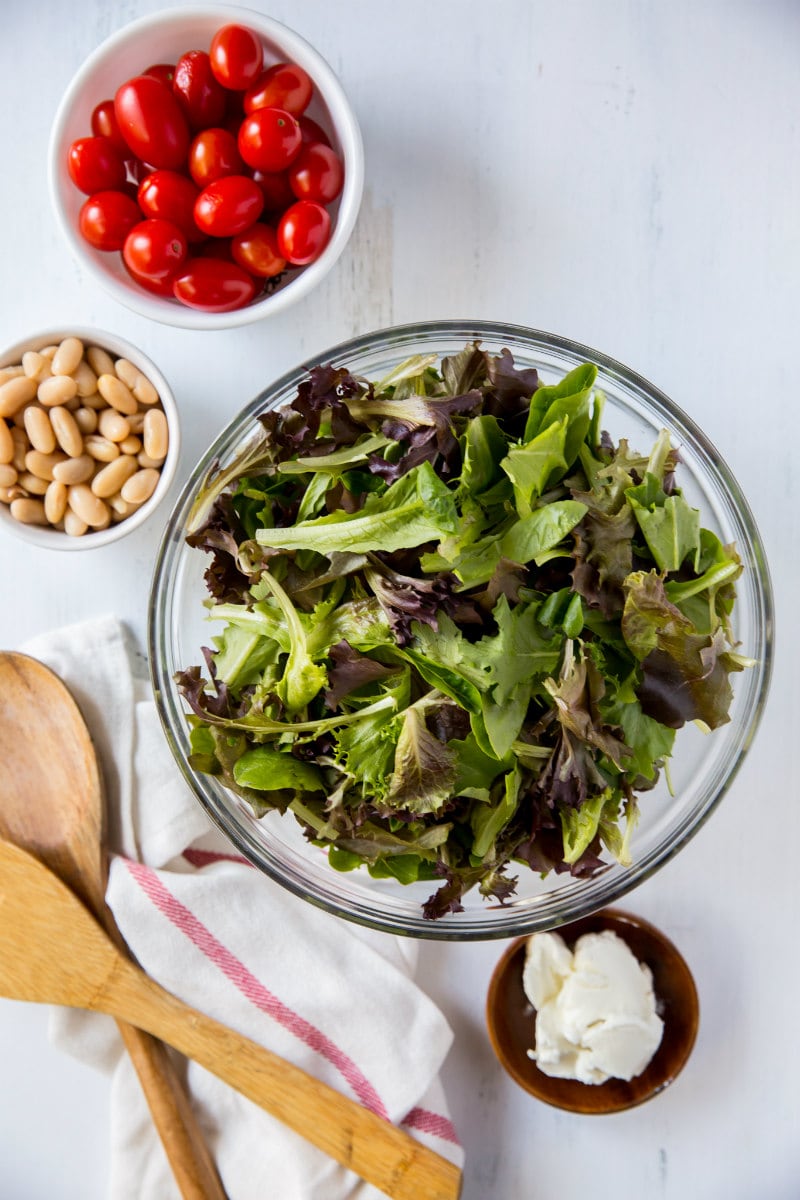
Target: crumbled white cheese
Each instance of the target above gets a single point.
(595, 1008)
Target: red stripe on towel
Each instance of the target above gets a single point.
(250, 987)
(202, 858)
(432, 1123)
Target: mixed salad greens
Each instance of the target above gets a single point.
(461, 626)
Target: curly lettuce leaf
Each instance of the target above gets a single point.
(424, 768)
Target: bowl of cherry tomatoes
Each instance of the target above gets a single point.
(206, 167)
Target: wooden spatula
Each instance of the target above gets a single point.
(52, 805)
(52, 951)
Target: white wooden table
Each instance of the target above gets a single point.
(624, 173)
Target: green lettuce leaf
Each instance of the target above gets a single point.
(424, 768)
(488, 820)
(418, 508)
(269, 769)
(531, 465)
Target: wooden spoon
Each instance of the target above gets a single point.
(51, 804)
(53, 952)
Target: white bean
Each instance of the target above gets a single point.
(67, 432)
(75, 470)
(39, 429)
(42, 464)
(110, 480)
(14, 393)
(55, 502)
(100, 360)
(28, 512)
(140, 486)
(85, 379)
(146, 461)
(73, 525)
(32, 484)
(86, 419)
(113, 425)
(117, 394)
(21, 447)
(67, 356)
(100, 448)
(87, 506)
(58, 389)
(156, 434)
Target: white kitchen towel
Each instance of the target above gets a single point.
(334, 998)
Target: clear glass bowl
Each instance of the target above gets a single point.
(702, 767)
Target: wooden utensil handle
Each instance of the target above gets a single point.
(173, 1117)
(373, 1148)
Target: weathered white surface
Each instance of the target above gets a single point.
(627, 174)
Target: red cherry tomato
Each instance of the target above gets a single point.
(163, 72)
(270, 139)
(213, 285)
(312, 132)
(228, 205)
(316, 174)
(256, 250)
(304, 231)
(151, 121)
(199, 94)
(277, 190)
(212, 155)
(285, 86)
(155, 249)
(159, 287)
(95, 165)
(106, 219)
(104, 124)
(171, 196)
(236, 57)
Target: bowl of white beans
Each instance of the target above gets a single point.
(89, 438)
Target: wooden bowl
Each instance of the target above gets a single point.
(510, 1018)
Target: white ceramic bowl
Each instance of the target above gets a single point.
(54, 539)
(163, 37)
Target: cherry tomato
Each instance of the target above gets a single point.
(236, 57)
(256, 250)
(104, 124)
(95, 165)
(316, 174)
(312, 132)
(212, 155)
(277, 190)
(106, 219)
(304, 231)
(151, 121)
(163, 72)
(213, 285)
(171, 196)
(159, 287)
(199, 94)
(228, 205)
(285, 86)
(269, 139)
(155, 249)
